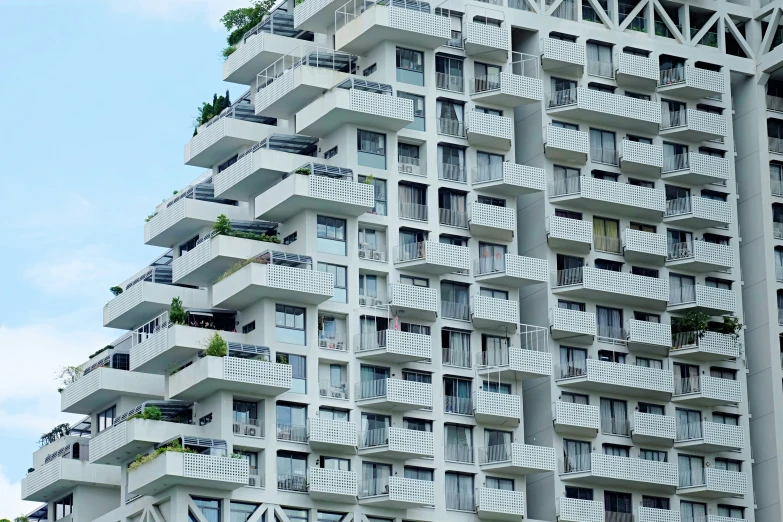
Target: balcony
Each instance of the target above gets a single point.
(497, 408)
(704, 391)
(641, 159)
(299, 78)
(355, 104)
(273, 275)
(394, 394)
(489, 313)
(700, 256)
(511, 270)
(569, 234)
(509, 179)
(563, 58)
(644, 247)
(697, 212)
(572, 325)
(488, 41)
(605, 376)
(696, 169)
(577, 510)
(396, 443)
(332, 436)
(693, 125)
(186, 217)
(710, 346)
(499, 504)
(506, 89)
(103, 386)
(517, 459)
(144, 300)
(612, 197)
(691, 82)
(712, 301)
(416, 302)
(514, 364)
(393, 346)
(362, 25)
(262, 166)
(580, 420)
(188, 469)
(412, 166)
(173, 344)
(261, 47)
(128, 438)
(333, 485)
(56, 477)
(212, 256)
(605, 108)
(492, 221)
(712, 483)
(636, 72)
(432, 257)
(615, 287)
(565, 144)
(489, 130)
(645, 337)
(647, 428)
(397, 493)
(709, 437)
(626, 472)
(219, 138)
(240, 375)
(645, 514)
(338, 195)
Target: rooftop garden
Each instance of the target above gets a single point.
(239, 21)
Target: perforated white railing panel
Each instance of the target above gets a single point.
(534, 457)
(719, 344)
(381, 105)
(623, 194)
(301, 280)
(209, 467)
(645, 332)
(731, 482)
(491, 309)
(411, 344)
(409, 392)
(530, 268)
(333, 431)
(573, 321)
(493, 216)
(564, 51)
(342, 191)
(334, 481)
(577, 510)
(457, 257)
(619, 105)
(498, 404)
(714, 433)
(626, 283)
(707, 122)
(630, 376)
(419, 22)
(417, 297)
(568, 229)
(721, 389)
(411, 441)
(704, 79)
(579, 415)
(257, 372)
(412, 490)
(490, 125)
(718, 298)
(646, 514)
(501, 501)
(662, 426)
(711, 209)
(713, 166)
(634, 469)
(645, 242)
(639, 66)
(486, 35)
(521, 86)
(721, 255)
(530, 361)
(641, 153)
(566, 139)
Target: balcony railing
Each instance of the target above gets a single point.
(452, 172)
(457, 357)
(451, 127)
(459, 453)
(457, 405)
(414, 211)
(410, 165)
(453, 218)
(774, 103)
(605, 156)
(454, 310)
(292, 432)
(449, 82)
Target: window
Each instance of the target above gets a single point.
(600, 87)
(489, 166)
(616, 450)
(459, 492)
(458, 443)
(731, 511)
(331, 235)
(610, 356)
(497, 387)
(641, 183)
(418, 122)
(564, 125)
(241, 511)
(495, 202)
(455, 301)
(451, 163)
(569, 271)
(646, 362)
(374, 479)
(380, 194)
(606, 176)
(675, 157)
(290, 324)
(614, 417)
(291, 422)
(457, 395)
(298, 370)
(249, 327)
(416, 473)
(573, 362)
(410, 66)
(369, 70)
(656, 455)
(451, 118)
(188, 245)
(714, 282)
(652, 409)
(494, 294)
(452, 208)
(504, 484)
(226, 164)
(728, 464)
(725, 418)
(368, 285)
(715, 196)
(576, 456)
(605, 264)
(414, 376)
(563, 93)
(486, 77)
(296, 515)
(723, 373)
(408, 160)
(331, 153)
(337, 414)
(209, 507)
(292, 476)
(641, 227)
(412, 201)
(487, 110)
(449, 73)
(579, 493)
(638, 96)
(645, 272)
(492, 258)
(606, 235)
(599, 60)
(372, 149)
(340, 274)
(245, 412)
(673, 114)
(617, 503)
(568, 214)
(645, 316)
(570, 305)
(63, 507)
(575, 398)
(692, 510)
(681, 289)
(603, 147)
(409, 423)
(106, 418)
(456, 348)
(691, 470)
(414, 281)
(655, 502)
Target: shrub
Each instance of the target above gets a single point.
(222, 225)
(228, 51)
(149, 413)
(177, 312)
(303, 170)
(107, 347)
(69, 375)
(207, 111)
(237, 267)
(140, 460)
(148, 218)
(115, 290)
(691, 322)
(217, 347)
(239, 21)
(731, 326)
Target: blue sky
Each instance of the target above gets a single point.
(99, 98)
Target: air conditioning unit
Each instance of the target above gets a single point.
(408, 168)
(236, 428)
(341, 345)
(376, 255)
(362, 301)
(251, 431)
(362, 253)
(322, 343)
(251, 481)
(338, 395)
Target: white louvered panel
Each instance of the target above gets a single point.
(343, 191)
(233, 174)
(301, 280)
(125, 301)
(42, 477)
(645, 242)
(409, 392)
(721, 255)
(642, 153)
(164, 220)
(639, 66)
(634, 469)
(524, 267)
(579, 415)
(420, 22)
(712, 209)
(566, 139)
(630, 376)
(530, 361)
(489, 308)
(564, 51)
(457, 257)
(704, 79)
(501, 501)
(206, 137)
(534, 457)
(651, 425)
(257, 372)
(486, 35)
(718, 298)
(626, 283)
(409, 296)
(646, 514)
(411, 441)
(82, 388)
(381, 104)
(707, 122)
(719, 344)
(191, 260)
(244, 53)
(714, 433)
(305, 10)
(730, 482)
(721, 389)
(493, 216)
(333, 431)
(150, 348)
(107, 441)
(645, 332)
(209, 467)
(577, 510)
(573, 321)
(275, 90)
(623, 194)
(524, 176)
(412, 490)
(521, 86)
(406, 343)
(575, 230)
(706, 165)
(619, 105)
(490, 125)
(499, 404)
(334, 481)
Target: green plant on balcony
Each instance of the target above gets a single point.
(21, 518)
(223, 227)
(176, 311)
(149, 413)
(236, 267)
(369, 180)
(115, 290)
(149, 218)
(59, 431)
(228, 51)
(730, 326)
(305, 171)
(69, 375)
(174, 447)
(239, 21)
(107, 347)
(216, 347)
(693, 325)
(207, 111)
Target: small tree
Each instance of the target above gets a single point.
(731, 326)
(692, 325)
(222, 225)
(239, 21)
(217, 347)
(115, 290)
(177, 312)
(69, 375)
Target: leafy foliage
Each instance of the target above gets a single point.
(228, 51)
(140, 460)
(223, 226)
(149, 413)
(691, 322)
(107, 347)
(207, 111)
(69, 375)
(148, 218)
(731, 326)
(239, 21)
(217, 347)
(177, 312)
(21, 518)
(61, 430)
(303, 170)
(236, 267)
(115, 290)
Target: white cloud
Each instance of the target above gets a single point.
(11, 503)
(210, 10)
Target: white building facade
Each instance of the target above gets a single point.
(461, 239)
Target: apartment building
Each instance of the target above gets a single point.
(457, 260)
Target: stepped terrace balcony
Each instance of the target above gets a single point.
(612, 197)
(563, 58)
(691, 82)
(432, 257)
(396, 443)
(362, 25)
(511, 89)
(616, 287)
(273, 275)
(316, 187)
(606, 376)
(101, 385)
(636, 72)
(693, 125)
(393, 346)
(605, 108)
